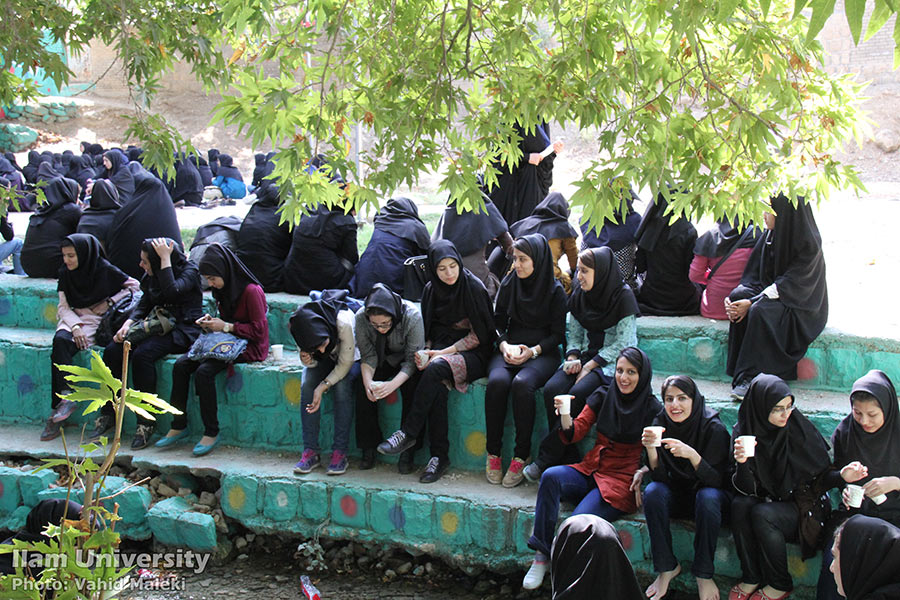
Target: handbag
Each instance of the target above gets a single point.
(158, 322)
(115, 317)
(415, 276)
(217, 345)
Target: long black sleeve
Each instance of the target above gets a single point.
(6, 229)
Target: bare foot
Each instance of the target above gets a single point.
(748, 588)
(174, 432)
(772, 592)
(707, 589)
(657, 590)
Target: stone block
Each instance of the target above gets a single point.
(314, 501)
(59, 493)
(281, 499)
(348, 506)
(707, 356)
(10, 496)
(180, 479)
(240, 496)
(385, 513)
(492, 526)
(163, 519)
(197, 531)
(31, 483)
(452, 525)
(284, 429)
(416, 511)
(133, 505)
(667, 355)
(631, 535)
(523, 530)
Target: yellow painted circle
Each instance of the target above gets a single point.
(237, 497)
(292, 391)
(797, 566)
(476, 443)
(50, 313)
(449, 523)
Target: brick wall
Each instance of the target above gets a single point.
(873, 59)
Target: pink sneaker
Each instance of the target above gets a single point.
(338, 464)
(493, 470)
(309, 460)
(514, 474)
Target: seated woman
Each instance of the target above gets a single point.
(213, 155)
(780, 490)
(781, 305)
(866, 562)
(588, 556)
(98, 217)
(323, 330)
(9, 172)
(664, 255)
(242, 311)
(399, 234)
(605, 307)
(599, 484)
(259, 170)
(229, 179)
(471, 232)
(206, 175)
(10, 246)
(459, 337)
(117, 171)
(88, 286)
(689, 474)
(867, 451)
(188, 185)
(720, 256)
(389, 332)
(263, 241)
(30, 170)
(323, 252)
(49, 226)
(530, 315)
(170, 282)
(83, 173)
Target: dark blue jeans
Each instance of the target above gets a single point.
(707, 506)
(565, 484)
(342, 398)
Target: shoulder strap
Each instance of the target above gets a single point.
(737, 245)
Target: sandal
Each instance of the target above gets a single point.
(737, 593)
(761, 595)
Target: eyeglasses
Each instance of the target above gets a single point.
(780, 410)
(381, 326)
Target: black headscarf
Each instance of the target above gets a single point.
(213, 155)
(719, 240)
(47, 512)
(315, 223)
(104, 196)
(400, 217)
(589, 562)
(120, 174)
(470, 231)
(187, 180)
(316, 321)
(465, 299)
(82, 169)
(786, 457)
(622, 417)
(381, 297)
(59, 191)
(95, 149)
(608, 301)
(869, 551)
(134, 153)
(528, 300)
(222, 262)
(178, 260)
(46, 171)
(656, 223)
(227, 168)
(259, 170)
(30, 170)
(550, 218)
(94, 279)
(12, 160)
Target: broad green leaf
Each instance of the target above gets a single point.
(880, 15)
(854, 9)
(821, 10)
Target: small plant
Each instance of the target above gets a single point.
(80, 561)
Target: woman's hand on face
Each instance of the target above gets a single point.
(306, 358)
(854, 472)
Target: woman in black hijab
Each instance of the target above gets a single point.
(607, 311)
(588, 557)
(531, 318)
(46, 512)
(242, 312)
(781, 305)
(459, 336)
(689, 473)
(82, 172)
(323, 330)
(98, 217)
(170, 282)
(229, 179)
(48, 226)
(399, 234)
(30, 170)
(206, 175)
(259, 170)
(664, 255)
(323, 252)
(617, 234)
(263, 242)
(88, 286)
(600, 483)
(780, 491)
(188, 185)
(116, 170)
(471, 232)
(551, 219)
(730, 246)
(867, 451)
(867, 559)
(213, 155)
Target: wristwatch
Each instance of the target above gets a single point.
(228, 328)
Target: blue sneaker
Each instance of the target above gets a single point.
(309, 460)
(338, 464)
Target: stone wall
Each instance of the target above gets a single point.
(872, 60)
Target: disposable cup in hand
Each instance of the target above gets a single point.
(855, 495)
(748, 443)
(376, 387)
(571, 364)
(879, 499)
(423, 357)
(565, 408)
(657, 432)
(514, 351)
(277, 351)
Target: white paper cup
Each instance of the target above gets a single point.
(657, 432)
(855, 495)
(277, 351)
(423, 357)
(566, 407)
(748, 443)
(879, 499)
(514, 351)
(570, 364)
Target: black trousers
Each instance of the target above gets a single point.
(62, 353)
(522, 382)
(552, 451)
(761, 532)
(204, 372)
(368, 429)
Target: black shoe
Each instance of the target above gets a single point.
(368, 459)
(103, 424)
(740, 390)
(51, 430)
(434, 470)
(398, 442)
(141, 437)
(405, 465)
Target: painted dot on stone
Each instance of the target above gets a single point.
(237, 497)
(50, 313)
(797, 566)
(234, 383)
(704, 351)
(349, 506)
(5, 306)
(626, 539)
(292, 391)
(807, 369)
(476, 443)
(281, 499)
(25, 385)
(397, 517)
(449, 522)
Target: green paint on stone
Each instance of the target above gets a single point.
(491, 526)
(281, 499)
(348, 506)
(163, 520)
(523, 529)
(197, 531)
(10, 497)
(452, 525)
(31, 483)
(314, 501)
(707, 356)
(382, 507)
(418, 514)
